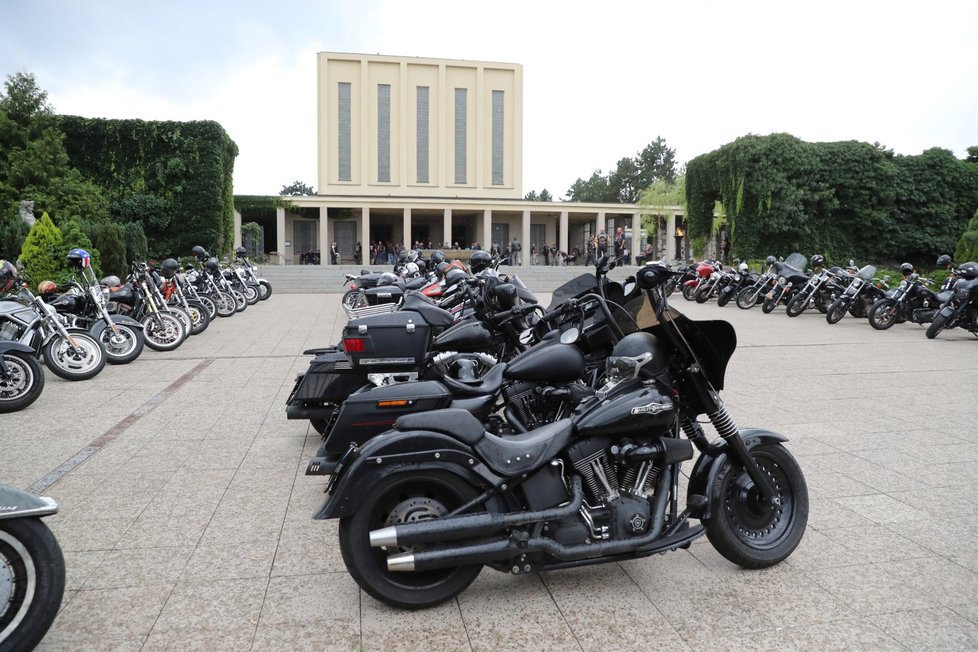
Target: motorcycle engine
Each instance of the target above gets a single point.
(8, 331)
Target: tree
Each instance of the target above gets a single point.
(595, 189)
(967, 249)
(43, 253)
(972, 154)
(296, 189)
(630, 177)
(543, 196)
(13, 231)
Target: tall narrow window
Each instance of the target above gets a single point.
(383, 132)
(497, 138)
(422, 134)
(343, 135)
(461, 133)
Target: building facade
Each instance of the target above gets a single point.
(430, 151)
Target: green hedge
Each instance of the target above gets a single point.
(174, 177)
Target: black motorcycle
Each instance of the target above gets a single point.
(422, 508)
(861, 293)
(789, 278)
(910, 301)
(32, 569)
(961, 310)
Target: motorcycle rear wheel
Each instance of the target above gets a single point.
(836, 311)
(33, 567)
(352, 298)
(25, 383)
(745, 528)
(399, 498)
(80, 362)
(883, 314)
(936, 326)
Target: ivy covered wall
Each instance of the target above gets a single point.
(174, 177)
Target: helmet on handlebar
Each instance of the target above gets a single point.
(211, 264)
(9, 277)
(437, 257)
(770, 260)
(479, 261)
(169, 267)
(637, 355)
(199, 252)
(906, 269)
(969, 270)
(818, 260)
(241, 252)
(411, 269)
(743, 268)
(79, 259)
(944, 261)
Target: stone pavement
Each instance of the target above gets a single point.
(185, 512)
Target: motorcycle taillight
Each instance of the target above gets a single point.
(354, 344)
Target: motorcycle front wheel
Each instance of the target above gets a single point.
(163, 331)
(397, 499)
(837, 311)
(264, 290)
(24, 383)
(936, 326)
(747, 298)
(689, 292)
(768, 306)
(883, 314)
(82, 361)
(250, 293)
(124, 347)
(183, 316)
(32, 571)
(797, 305)
(240, 303)
(208, 304)
(724, 297)
(224, 303)
(199, 317)
(703, 294)
(748, 530)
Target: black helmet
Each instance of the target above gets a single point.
(9, 276)
(241, 252)
(479, 261)
(199, 252)
(906, 269)
(442, 267)
(818, 260)
(637, 355)
(437, 257)
(169, 267)
(943, 260)
(387, 278)
(455, 275)
(770, 260)
(211, 264)
(969, 270)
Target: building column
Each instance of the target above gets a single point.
(406, 226)
(525, 258)
(599, 223)
(446, 234)
(637, 242)
(563, 231)
(365, 228)
(324, 240)
(280, 234)
(486, 229)
(237, 229)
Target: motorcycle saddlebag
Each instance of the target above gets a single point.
(396, 339)
(330, 378)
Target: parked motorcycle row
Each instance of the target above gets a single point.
(76, 329)
(465, 425)
(835, 291)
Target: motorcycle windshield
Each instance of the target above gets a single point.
(575, 287)
(866, 273)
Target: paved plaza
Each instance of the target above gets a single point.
(186, 515)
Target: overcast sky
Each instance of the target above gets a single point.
(601, 79)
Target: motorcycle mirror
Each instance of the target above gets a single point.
(570, 336)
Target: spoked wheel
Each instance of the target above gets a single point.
(264, 290)
(745, 528)
(250, 293)
(79, 361)
(23, 384)
(32, 582)
(797, 305)
(689, 292)
(240, 303)
(836, 311)
(225, 304)
(747, 298)
(883, 314)
(404, 498)
(208, 304)
(163, 331)
(122, 347)
(183, 316)
(199, 318)
(352, 298)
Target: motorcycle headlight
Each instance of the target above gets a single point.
(962, 293)
(782, 280)
(856, 283)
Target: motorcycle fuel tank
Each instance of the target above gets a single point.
(467, 336)
(556, 363)
(639, 412)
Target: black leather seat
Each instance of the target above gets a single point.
(525, 452)
(488, 384)
(435, 316)
(450, 421)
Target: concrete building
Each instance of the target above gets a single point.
(431, 150)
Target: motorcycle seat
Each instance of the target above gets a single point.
(454, 422)
(527, 451)
(435, 316)
(488, 384)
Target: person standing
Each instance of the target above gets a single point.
(602, 244)
(334, 254)
(516, 249)
(589, 247)
(534, 259)
(619, 243)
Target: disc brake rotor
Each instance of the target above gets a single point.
(414, 510)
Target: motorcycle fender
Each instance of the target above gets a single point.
(15, 503)
(947, 311)
(708, 466)
(10, 345)
(396, 451)
(99, 326)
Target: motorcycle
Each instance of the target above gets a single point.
(818, 291)
(748, 297)
(137, 298)
(788, 277)
(251, 272)
(961, 310)
(422, 508)
(701, 283)
(173, 295)
(862, 292)
(32, 569)
(910, 301)
(733, 281)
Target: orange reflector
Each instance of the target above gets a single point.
(402, 403)
(354, 344)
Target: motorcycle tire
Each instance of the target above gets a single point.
(250, 293)
(724, 297)
(670, 286)
(768, 306)
(702, 295)
(352, 298)
(240, 303)
(689, 292)
(419, 495)
(747, 298)
(797, 306)
(883, 314)
(163, 331)
(264, 290)
(125, 347)
(32, 568)
(183, 316)
(25, 384)
(80, 362)
(936, 326)
(744, 528)
(209, 305)
(225, 304)
(836, 311)
(199, 318)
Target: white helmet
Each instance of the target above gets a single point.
(411, 269)
(743, 268)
